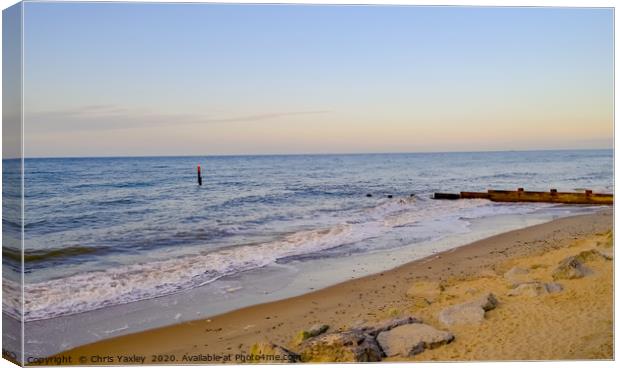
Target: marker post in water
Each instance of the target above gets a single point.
(199, 176)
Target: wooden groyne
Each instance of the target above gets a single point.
(520, 195)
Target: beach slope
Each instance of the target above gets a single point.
(549, 305)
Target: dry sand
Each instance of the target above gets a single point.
(576, 323)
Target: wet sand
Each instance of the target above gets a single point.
(576, 323)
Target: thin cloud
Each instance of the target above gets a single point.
(88, 111)
(110, 117)
(263, 116)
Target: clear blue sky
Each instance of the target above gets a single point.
(168, 79)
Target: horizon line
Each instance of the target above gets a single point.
(314, 154)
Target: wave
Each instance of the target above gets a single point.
(11, 298)
(41, 255)
(119, 285)
(119, 201)
(93, 290)
(119, 185)
(511, 175)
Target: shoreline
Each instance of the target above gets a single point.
(363, 300)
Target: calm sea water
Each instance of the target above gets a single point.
(106, 231)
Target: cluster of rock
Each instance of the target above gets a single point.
(570, 268)
(396, 337)
(409, 336)
(313, 331)
(573, 267)
(412, 339)
(521, 284)
(404, 337)
(471, 312)
(536, 288)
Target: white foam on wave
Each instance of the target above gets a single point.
(92, 290)
(11, 298)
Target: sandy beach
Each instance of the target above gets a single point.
(553, 317)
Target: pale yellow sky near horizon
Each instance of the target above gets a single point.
(311, 79)
(333, 132)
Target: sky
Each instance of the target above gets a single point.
(110, 79)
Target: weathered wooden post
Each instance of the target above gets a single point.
(519, 192)
(446, 196)
(552, 196)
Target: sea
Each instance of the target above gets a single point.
(137, 236)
